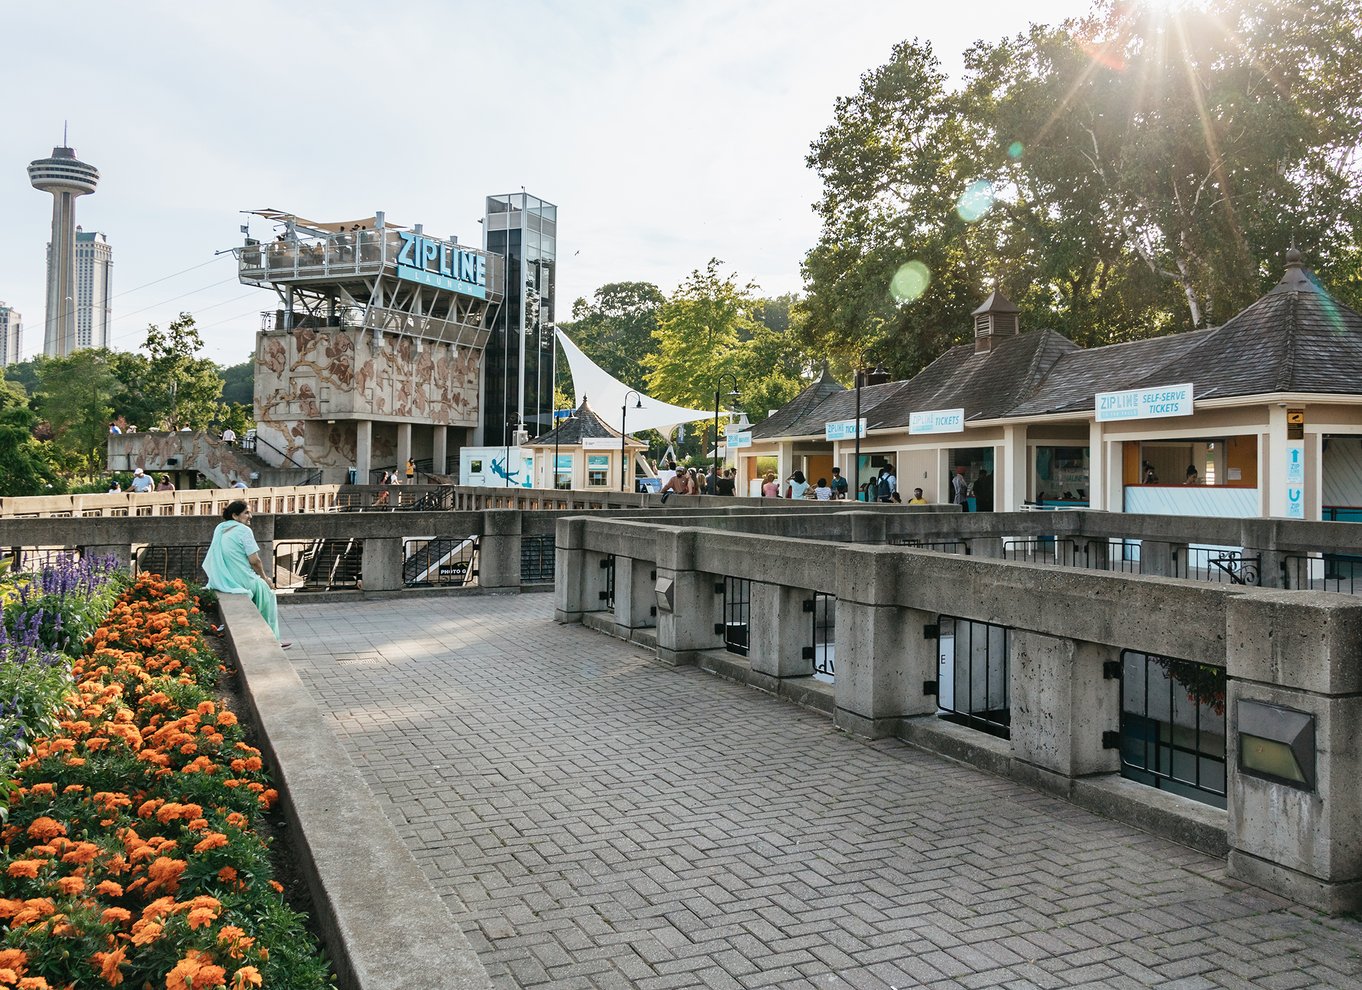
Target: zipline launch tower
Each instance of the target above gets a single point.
(65, 177)
(375, 351)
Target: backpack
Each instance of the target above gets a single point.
(882, 488)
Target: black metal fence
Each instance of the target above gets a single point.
(318, 565)
(737, 615)
(1222, 565)
(943, 546)
(973, 676)
(607, 594)
(823, 641)
(1046, 550)
(1173, 725)
(184, 562)
(1323, 572)
(536, 559)
(440, 562)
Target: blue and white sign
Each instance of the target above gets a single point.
(843, 429)
(441, 265)
(738, 438)
(1295, 479)
(1144, 403)
(564, 464)
(937, 421)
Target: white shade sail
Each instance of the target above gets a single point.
(606, 393)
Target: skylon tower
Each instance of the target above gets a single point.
(65, 177)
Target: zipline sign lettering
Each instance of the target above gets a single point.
(843, 429)
(1144, 403)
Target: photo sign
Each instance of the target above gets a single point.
(1144, 403)
(843, 429)
(937, 421)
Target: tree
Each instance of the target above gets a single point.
(238, 383)
(75, 398)
(187, 390)
(616, 328)
(698, 336)
(26, 467)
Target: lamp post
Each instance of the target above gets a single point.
(863, 377)
(624, 415)
(733, 397)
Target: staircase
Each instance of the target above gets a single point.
(442, 561)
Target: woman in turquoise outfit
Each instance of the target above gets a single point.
(233, 563)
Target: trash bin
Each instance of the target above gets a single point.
(351, 476)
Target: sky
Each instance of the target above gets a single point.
(667, 132)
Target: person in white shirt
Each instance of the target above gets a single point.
(141, 482)
(229, 435)
(821, 491)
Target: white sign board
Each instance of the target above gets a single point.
(843, 429)
(600, 443)
(1144, 403)
(739, 438)
(937, 421)
(1295, 479)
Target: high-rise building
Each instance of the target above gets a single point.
(11, 335)
(65, 177)
(517, 372)
(94, 261)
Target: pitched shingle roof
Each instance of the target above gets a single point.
(586, 423)
(792, 413)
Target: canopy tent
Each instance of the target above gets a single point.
(328, 227)
(608, 392)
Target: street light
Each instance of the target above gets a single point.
(572, 414)
(877, 377)
(733, 399)
(624, 414)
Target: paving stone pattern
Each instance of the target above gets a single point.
(596, 820)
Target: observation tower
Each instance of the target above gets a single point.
(64, 176)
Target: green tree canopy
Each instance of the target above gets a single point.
(187, 389)
(75, 398)
(1137, 172)
(615, 329)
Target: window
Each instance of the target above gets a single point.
(597, 470)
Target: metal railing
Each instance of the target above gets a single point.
(737, 615)
(439, 562)
(973, 677)
(942, 546)
(1323, 572)
(309, 565)
(1173, 725)
(823, 642)
(185, 562)
(1046, 550)
(608, 593)
(1222, 565)
(536, 559)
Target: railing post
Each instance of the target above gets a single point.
(574, 584)
(1158, 559)
(686, 626)
(778, 631)
(499, 549)
(1295, 674)
(1061, 705)
(381, 564)
(988, 547)
(634, 598)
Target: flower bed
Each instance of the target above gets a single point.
(131, 853)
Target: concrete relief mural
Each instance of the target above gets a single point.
(311, 374)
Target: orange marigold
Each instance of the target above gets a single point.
(70, 886)
(109, 963)
(246, 976)
(45, 828)
(116, 916)
(164, 874)
(109, 889)
(26, 868)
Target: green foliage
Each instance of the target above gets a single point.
(238, 383)
(616, 328)
(186, 389)
(74, 397)
(26, 464)
(1144, 171)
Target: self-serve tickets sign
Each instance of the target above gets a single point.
(937, 421)
(1144, 403)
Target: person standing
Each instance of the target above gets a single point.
(960, 489)
(233, 564)
(726, 483)
(839, 484)
(769, 488)
(141, 481)
(917, 498)
(229, 436)
(411, 470)
(796, 486)
(892, 480)
(983, 491)
(165, 485)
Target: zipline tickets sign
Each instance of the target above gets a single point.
(1144, 403)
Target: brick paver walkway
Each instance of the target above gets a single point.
(597, 820)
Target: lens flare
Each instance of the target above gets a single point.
(910, 281)
(1014, 150)
(975, 201)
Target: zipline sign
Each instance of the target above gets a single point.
(937, 421)
(738, 438)
(1144, 403)
(843, 429)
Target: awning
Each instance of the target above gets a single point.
(607, 392)
(325, 227)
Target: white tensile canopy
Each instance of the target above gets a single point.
(607, 393)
